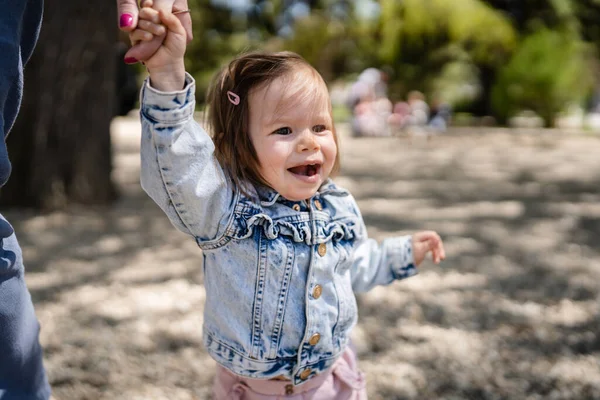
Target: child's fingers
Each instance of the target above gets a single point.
(146, 3)
(155, 29)
(140, 35)
(442, 250)
(434, 253)
(426, 236)
(437, 249)
(172, 22)
(149, 14)
(432, 242)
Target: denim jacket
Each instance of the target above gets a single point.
(280, 275)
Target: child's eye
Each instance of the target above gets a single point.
(319, 128)
(283, 131)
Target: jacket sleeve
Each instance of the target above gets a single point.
(178, 168)
(381, 264)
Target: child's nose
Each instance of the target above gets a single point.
(307, 142)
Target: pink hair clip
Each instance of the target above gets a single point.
(233, 98)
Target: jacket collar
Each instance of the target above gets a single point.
(268, 196)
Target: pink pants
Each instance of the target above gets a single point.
(343, 381)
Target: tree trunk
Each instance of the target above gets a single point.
(60, 145)
(483, 105)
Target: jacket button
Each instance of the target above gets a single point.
(318, 205)
(305, 374)
(317, 291)
(322, 250)
(314, 339)
(289, 389)
(296, 207)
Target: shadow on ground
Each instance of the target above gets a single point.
(513, 313)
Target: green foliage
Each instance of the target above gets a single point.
(425, 41)
(549, 72)
(217, 38)
(457, 83)
(483, 32)
(324, 43)
(453, 49)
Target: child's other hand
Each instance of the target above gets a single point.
(166, 66)
(425, 242)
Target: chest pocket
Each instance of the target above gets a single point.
(273, 279)
(343, 237)
(347, 308)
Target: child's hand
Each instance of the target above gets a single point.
(425, 242)
(166, 66)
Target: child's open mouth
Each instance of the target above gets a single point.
(306, 170)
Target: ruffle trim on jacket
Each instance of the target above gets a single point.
(344, 229)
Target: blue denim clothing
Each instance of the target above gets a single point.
(22, 373)
(20, 22)
(280, 276)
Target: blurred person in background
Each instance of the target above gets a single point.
(441, 113)
(419, 109)
(22, 374)
(400, 115)
(370, 116)
(369, 104)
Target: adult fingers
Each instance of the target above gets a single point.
(165, 5)
(128, 14)
(185, 18)
(144, 50)
(177, 5)
(172, 22)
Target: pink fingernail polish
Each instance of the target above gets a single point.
(130, 60)
(125, 20)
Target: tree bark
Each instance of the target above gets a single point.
(60, 145)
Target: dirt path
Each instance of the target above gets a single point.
(514, 312)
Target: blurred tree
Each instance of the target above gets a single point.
(548, 73)
(60, 145)
(420, 37)
(219, 34)
(322, 42)
(420, 43)
(588, 14)
(554, 32)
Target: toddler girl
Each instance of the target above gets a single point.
(284, 247)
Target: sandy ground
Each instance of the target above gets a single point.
(513, 313)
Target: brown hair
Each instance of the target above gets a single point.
(229, 122)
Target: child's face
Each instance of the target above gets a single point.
(292, 132)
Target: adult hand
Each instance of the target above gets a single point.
(128, 19)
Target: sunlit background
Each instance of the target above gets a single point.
(509, 175)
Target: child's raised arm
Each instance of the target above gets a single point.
(166, 67)
(178, 168)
